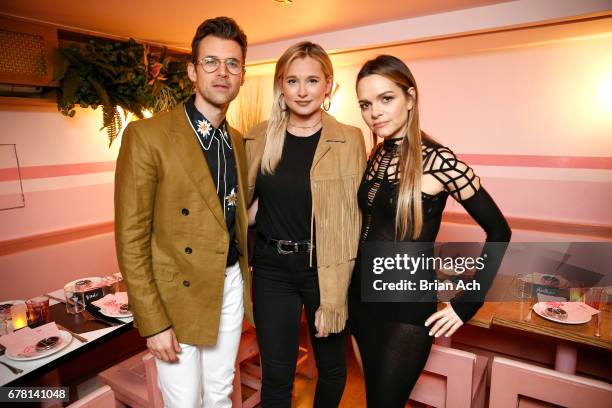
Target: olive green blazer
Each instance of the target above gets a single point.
(170, 234)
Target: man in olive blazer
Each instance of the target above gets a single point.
(178, 237)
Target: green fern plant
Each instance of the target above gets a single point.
(126, 74)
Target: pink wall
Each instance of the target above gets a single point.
(542, 101)
(29, 273)
(67, 171)
(62, 189)
(534, 121)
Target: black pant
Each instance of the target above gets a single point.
(393, 354)
(281, 285)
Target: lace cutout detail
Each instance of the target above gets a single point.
(384, 165)
(457, 177)
(440, 162)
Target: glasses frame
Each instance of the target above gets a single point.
(219, 62)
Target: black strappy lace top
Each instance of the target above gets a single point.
(378, 199)
(378, 190)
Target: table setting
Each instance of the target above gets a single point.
(37, 331)
(555, 300)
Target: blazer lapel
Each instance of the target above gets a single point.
(189, 154)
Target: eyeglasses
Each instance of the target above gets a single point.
(211, 64)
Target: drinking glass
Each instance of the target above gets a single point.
(75, 299)
(522, 286)
(38, 310)
(593, 297)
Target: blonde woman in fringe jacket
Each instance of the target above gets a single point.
(304, 171)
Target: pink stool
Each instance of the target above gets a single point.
(103, 397)
(134, 381)
(518, 384)
(248, 371)
(452, 378)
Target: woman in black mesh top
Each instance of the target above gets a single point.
(402, 196)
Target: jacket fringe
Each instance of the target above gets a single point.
(333, 318)
(336, 238)
(336, 245)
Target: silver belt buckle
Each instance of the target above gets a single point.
(279, 245)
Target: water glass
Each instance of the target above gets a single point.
(606, 299)
(38, 310)
(75, 299)
(522, 286)
(593, 297)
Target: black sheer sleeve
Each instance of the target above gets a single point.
(486, 213)
(464, 186)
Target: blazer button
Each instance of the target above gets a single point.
(186, 283)
(188, 250)
(185, 211)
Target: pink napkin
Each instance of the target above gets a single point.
(579, 307)
(24, 341)
(111, 303)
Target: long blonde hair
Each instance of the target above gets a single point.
(279, 117)
(409, 211)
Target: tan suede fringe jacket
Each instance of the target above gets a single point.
(337, 168)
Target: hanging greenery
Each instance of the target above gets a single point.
(115, 74)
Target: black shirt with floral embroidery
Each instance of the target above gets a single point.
(216, 145)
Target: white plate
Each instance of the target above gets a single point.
(575, 313)
(12, 302)
(115, 315)
(93, 279)
(66, 338)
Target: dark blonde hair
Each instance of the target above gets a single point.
(279, 116)
(409, 211)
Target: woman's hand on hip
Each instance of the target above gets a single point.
(445, 322)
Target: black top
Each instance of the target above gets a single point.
(285, 199)
(377, 197)
(216, 145)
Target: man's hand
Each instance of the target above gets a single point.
(164, 346)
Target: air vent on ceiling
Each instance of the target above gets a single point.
(26, 53)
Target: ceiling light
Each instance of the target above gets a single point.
(284, 2)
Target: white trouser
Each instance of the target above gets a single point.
(207, 370)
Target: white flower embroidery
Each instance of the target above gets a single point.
(231, 198)
(204, 128)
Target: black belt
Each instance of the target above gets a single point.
(285, 247)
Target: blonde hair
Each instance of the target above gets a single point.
(409, 211)
(279, 117)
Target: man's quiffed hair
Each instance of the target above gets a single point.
(222, 27)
